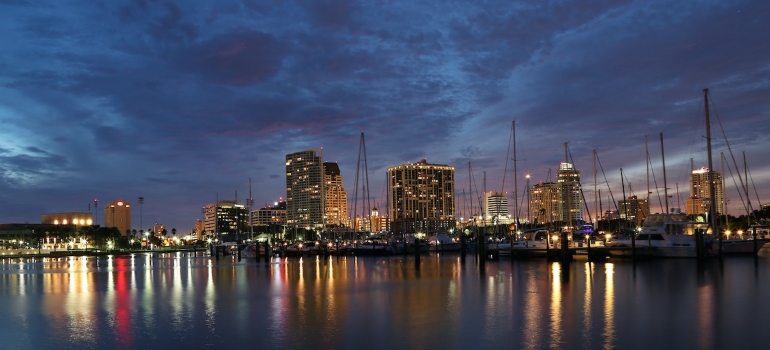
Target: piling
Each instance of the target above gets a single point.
(482, 249)
(463, 247)
(416, 253)
(239, 252)
(564, 247)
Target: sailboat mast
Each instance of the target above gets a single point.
(596, 197)
(249, 203)
(712, 197)
(665, 185)
(647, 160)
(568, 189)
(515, 179)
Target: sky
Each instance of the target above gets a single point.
(184, 102)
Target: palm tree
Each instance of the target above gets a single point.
(173, 232)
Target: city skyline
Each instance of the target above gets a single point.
(183, 102)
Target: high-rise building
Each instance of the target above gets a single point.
(699, 201)
(571, 206)
(421, 197)
(545, 202)
(633, 209)
(118, 214)
(336, 199)
(305, 189)
(496, 207)
(226, 218)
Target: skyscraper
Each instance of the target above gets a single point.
(700, 197)
(305, 189)
(336, 199)
(571, 206)
(421, 197)
(545, 202)
(118, 214)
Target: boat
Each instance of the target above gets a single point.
(253, 250)
(370, 247)
(674, 236)
(443, 243)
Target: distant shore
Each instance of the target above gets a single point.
(49, 253)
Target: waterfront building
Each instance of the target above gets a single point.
(700, 198)
(571, 201)
(117, 214)
(71, 218)
(158, 229)
(496, 207)
(545, 202)
(421, 197)
(633, 209)
(270, 215)
(226, 219)
(305, 189)
(335, 199)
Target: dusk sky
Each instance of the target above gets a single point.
(181, 102)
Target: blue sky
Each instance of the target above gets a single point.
(181, 102)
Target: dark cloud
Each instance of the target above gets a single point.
(237, 59)
(168, 96)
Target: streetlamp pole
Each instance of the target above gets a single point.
(96, 211)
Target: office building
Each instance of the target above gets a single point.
(226, 218)
(117, 214)
(633, 209)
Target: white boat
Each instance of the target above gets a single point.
(673, 235)
(443, 243)
(253, 250)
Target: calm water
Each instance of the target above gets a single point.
(195, 302)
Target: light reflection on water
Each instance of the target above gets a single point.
(193, 301)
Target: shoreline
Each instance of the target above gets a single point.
(29, 253)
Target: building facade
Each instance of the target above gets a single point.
(421, 197)
(305, 189)
(117, 214)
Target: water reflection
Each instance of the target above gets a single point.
(609, 306)
(189, 300)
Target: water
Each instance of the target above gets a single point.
(179, 300)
